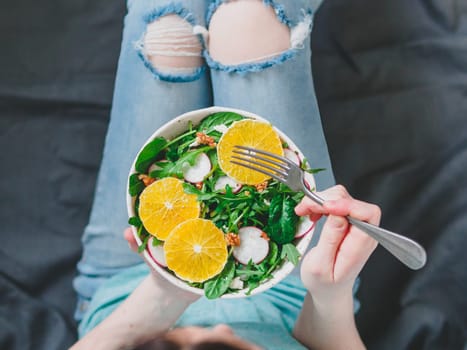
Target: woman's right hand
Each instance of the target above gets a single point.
(329, 270)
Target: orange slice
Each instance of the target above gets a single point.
(250, 133)
(196, 250)
(164, 204)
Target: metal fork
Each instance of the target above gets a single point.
(284, 170)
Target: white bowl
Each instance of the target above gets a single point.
(176, 127)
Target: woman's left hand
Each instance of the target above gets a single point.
(161, 282)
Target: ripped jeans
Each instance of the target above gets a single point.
(180, 56)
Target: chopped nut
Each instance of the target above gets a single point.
(232, 239)
(265, 236)
(147, 180)
(199, 185)
(203, 139)
(262, 186)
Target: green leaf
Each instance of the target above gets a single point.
(218, 285)
(176, 168)
(149, 154)
(282, 220)
(202, 196)
(290, 252)
(252, 284)
(289, 219)
(135, 221)
(135, 186)
(156, 241)
(226, 118)
(143, 246)
(273, 253)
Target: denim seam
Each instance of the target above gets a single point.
(176, 9)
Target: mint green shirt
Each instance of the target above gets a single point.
(265, 319)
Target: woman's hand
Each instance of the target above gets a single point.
(159, 280)
(329, 270)
(150, 310)
(333, 265)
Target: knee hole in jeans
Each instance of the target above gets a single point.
(171, 47)
(246, 31)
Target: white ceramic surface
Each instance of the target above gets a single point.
(176, 127)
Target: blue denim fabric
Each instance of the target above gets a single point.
(143, 100)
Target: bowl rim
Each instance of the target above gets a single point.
(168, 129)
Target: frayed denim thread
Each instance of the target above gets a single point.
(249, 67)
(279, 9)
(173, 78)
(171, 9)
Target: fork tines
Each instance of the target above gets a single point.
(262, 161)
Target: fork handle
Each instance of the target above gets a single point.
(403, 248)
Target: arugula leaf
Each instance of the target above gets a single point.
(226, 118)
(218, 285)
(149, 154)
(202, 196)
(290, 252)
(273, 253)
(135, 185)
(176, 168)
(156, 241)
(252, 284)
(143, 246)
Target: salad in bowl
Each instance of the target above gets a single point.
(210, 226)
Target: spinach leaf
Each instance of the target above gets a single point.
(218, 285)
(290, 252)
(282, 220)
(226, 118)
(149, 154)
(135, 186)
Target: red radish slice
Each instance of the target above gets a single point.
(157, 253)
(289, 154)
(197, 172)
(305, 225)
(309, 181)
(252, 246)
(225, 180)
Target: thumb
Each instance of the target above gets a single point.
(130, 238)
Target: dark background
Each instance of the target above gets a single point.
(391, 80)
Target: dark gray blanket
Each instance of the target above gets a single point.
(391, 78)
